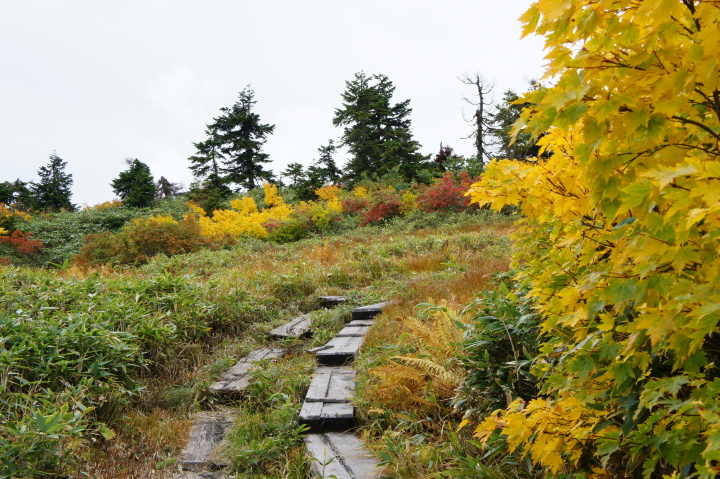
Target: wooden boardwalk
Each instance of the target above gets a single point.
(330, 301)
(205, 442)
(233, 381)
(294, 328)
(339, 350)
(327, 405)
(340, 456)
(328, 410)
(369, 311)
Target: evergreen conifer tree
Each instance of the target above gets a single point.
(232, 154)
(52, 192)
(135, 186)
(377, 132)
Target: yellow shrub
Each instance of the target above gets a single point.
(107, 204)
(271, 195)
(328, 192)
(360, 192)
(245, 205)
(243, 219)
(409, 202)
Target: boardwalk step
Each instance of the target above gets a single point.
(369, 311)
(203, 450)
(237, 378)
(295, 328)
(339, 350)
(340, 456)
(361, 322)
(354, 329)
(330, 301)
(202, 475)
(327, 416)
(331, 385)
(327, 404)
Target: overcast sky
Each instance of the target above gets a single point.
(98, 82)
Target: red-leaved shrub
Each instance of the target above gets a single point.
(23, 243)
(446, 194)
(385, 204)
(355, 205)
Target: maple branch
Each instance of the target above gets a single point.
(698, 124)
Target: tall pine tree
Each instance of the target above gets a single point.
(135, 186)
(52, 192)
(376, 131)
(232, 154)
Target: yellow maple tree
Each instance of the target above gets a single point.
(621, 239)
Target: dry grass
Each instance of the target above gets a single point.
(144, 447)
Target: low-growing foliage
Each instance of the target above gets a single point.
(446, 194)
(499, 347)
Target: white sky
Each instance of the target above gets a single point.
(101, 81)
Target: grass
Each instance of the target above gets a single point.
(189, 317)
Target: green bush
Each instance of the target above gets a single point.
(498, 351)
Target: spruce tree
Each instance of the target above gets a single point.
(325, 168)
(205, 164)
(232, 154)
(135, 186)
(376, 131)
(295, 173)
(52, 192)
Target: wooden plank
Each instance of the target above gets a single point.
(361, 322)
(237, 378)
(340, 455)
(295, 328)
(332, 385)
(354, 330)
(205, 441)
(341, 350)
(320, 416)
(369, 311)
(330, 301)
(202, 475)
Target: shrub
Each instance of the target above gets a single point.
(11, 218)
(386, 204)
(23, 243)
(446, 194)
(143, 239)
(286, 231)
(355, 205)
(500, 343)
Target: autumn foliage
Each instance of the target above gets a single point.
(446, 194)
(619, 244)
(22, 243)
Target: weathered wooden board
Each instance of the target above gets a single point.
(202, 475)
(237, 378)
(295, 328)
(321, 416)
(340, 350)
(369, 311)
(203, 450)
(340, 455)
(331, 385)
(354, 330)
(330, 301)
(361, 322)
